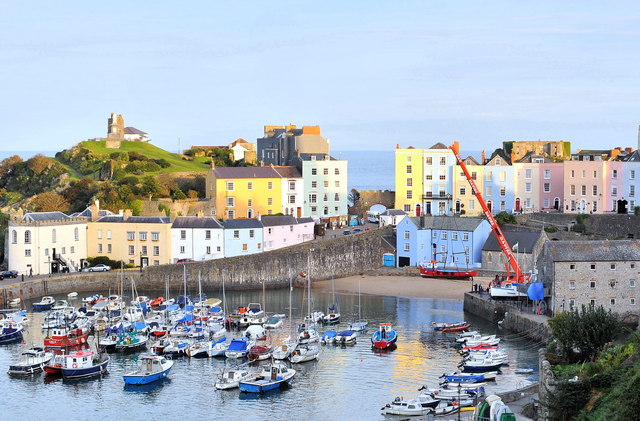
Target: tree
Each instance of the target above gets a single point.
(354, 197)
(80, 194)
(178, 194)
(38, 163)
(7, 167)
(150, 186)
(581, 335)
(505, 218)
(49, 202)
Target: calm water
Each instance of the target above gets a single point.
(352, 382)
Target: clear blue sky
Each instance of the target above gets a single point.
(371, 74)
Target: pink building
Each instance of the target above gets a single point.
(551, 182)
(613, 185)
(285, 230)
(584, 187)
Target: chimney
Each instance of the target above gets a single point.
(95, 210)
(213, 164)
(200, 213)
(126, 214)
(482, 158)
(398, 145)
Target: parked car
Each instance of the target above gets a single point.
(185, 261)
(8, 274)
(346, 232)
(357, 230)
(100, 268)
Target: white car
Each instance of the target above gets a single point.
(100, 268)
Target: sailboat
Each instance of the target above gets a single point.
(360, 325)
(333, 313)
(284, 350)
(307, 348)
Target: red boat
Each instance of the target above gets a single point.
(54, 366)
(431, 270)
(158, 301)
(385, 337)
(482, 346)
(63, 337)
(260, 352)
(443, 326)
(456, 328)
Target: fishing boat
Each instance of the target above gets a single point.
(260, 352)
(384, 337)
(304, 353)
(347, 337)
(239, 347)
(32, 360)
(457, 377)
(307, 335)
(54, 366)
(10, 331)
(284, 350)
(63, 337)
(481, 365)
(273, 376)
(44, 304)
(199, 349)
(83, 364)
(151, 368)
(176, 348)
(72, 295)
(231, 378)
(432, 270)
(130, 342)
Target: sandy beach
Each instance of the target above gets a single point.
(402, 286)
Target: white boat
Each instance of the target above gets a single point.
(284, 350)
(218, 349)
(358, 326)
(72, 295)
(14, 302)
(475, 338)
(308, 335)
(199, 349)
(32, 360)
(255, 332)
(523, 370)
(422, 405)
(231, 378)
(304, 353)
(347, 337)
(151, 368)
(254, 310)
(273, 323)
(506, 291)
(272, 376)
(314, 317)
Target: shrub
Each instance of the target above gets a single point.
(551, 229)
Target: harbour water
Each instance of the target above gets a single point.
(345, 383)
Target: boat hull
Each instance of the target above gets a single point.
(426, 272)
(262, 386)
(139, 380)
(79, 373)
(9, 338)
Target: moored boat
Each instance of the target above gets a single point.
(230, 379)
(304, 353)
(260, 352)
(44, 304)
(347, 337)
(328, 337)
(238, 348)
(151, 368)
(83, 364)
(271, 377)
(384, 337)
(32, 360)
(63, 337)
(10, 331)
(431, 270)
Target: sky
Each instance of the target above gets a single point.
(372, 74)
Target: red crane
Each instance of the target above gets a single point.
(512, 263)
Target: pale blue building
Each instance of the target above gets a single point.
(453, 242)
(242, 236)
(498, 188)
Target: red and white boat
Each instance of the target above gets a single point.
(431, 270)
(63, 337)
(451, 327)
(385, 337)
(54, 366)
(482, 347)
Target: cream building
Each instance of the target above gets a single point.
(137, 240)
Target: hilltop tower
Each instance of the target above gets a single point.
(115, 129)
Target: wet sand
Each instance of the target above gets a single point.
(402, 286)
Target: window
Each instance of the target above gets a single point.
(141, 235)
(337, 171)
(46, 252)
(409, 169)
(27, 252)
(406, 235)
(250, 185)
(443, 249)
(155, 236)
(489, 176)
(444, 235)
(434, 234)
(503, 205)
(290, 228)
(572, 189)
(314, 184)
(632, 283)
(337, 183)
(208, 250)
(244, 247)
(592, 284)
(326, 184)
(230, 186)
(428, 176)
(488, 190)
(503, 191)
(595, 173)
(463, 191)
(593, 266)
(252, 233)
(528, 173)
(503, 176)
(527, 187)
(633, 265)
(613, 266)
(474, 175)
(156, 263)
(325, 171)
(131, 235)
(99, 248)
(181, 249)
(409, 182)
(270, 201)
(409, 194)
(143, 250)
(292, 185)
(583, 190)
(407, 208)
(614, 190)
(236, 233)
(27, 237)
(270, 185)
(132, 250)
(573, 173)
(231, 202)
(109, 248)
(72, 249)
(572, 284)
(454, 236)
(442, 175)
(314, 209)
(53, 236)
(326, 197)
(183, 234)
(465, 236)
(156, 250)
(472, 204)
(429, 160)
(547, 174)
(547, 187)
(592, 302)
(99, 234)
(407, 247)
(76, 234)
(632, 301)
(572, 266)
(14, 237)
(632, 191)
(336, 197)
(612, 301)
(443, 160)
(314, 171)
(231, 214)
(572, 303)
(547, 203)
(584, 173)
(64, 250)
(614, 174)
(595, 190)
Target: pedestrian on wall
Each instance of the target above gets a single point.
(30, 272)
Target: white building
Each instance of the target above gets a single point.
(196, 238)
(46, 242)
(325, 188)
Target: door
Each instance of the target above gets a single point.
(428, 209)
(458, 206)
(418, 210)
(404, 261)
(144, 262)
(556, 203)
(517, 204)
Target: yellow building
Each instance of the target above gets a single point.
(246, 192)
(464, 201)
(409, 179)
(138, 240)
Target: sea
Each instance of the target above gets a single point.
(348, 382)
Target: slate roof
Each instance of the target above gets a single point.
(593, 251)
(439, 145)
(133, 130)
(274, 220)
(196, 222)
(391, 212)
(305, 220)
(318, 156)
(44, 216)
(448, 223)
(256, 172)
(136, 219)
(525, 240)
(500, 152)
(87, 213)
(242, 223)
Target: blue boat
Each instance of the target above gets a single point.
(151, 368)
(464, 378)
(271, 377)
(238, 348)
(10, 332)
(82, 364)
(328, 337)
(384, 337)
(44, 304)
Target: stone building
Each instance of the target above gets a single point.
(281, 145)
(591, 272)
(526, 247)
(553, 149)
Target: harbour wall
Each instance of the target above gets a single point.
(321, 259)
(533, 327)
